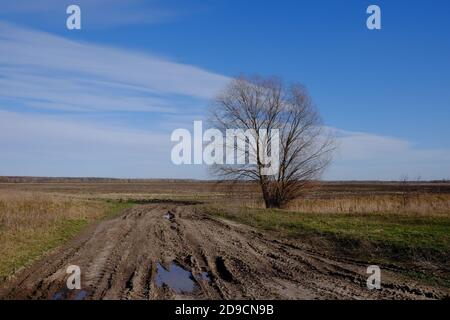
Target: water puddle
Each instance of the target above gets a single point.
(81, 295)
(60, 296)
(206, 276)
(176, 278)
(169, 216)
(69, 295)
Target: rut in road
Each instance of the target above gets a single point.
(169, 251)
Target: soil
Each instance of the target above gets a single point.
(171, 251)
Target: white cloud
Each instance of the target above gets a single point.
(42, 71)
(366, 146)
(367, 156)
(41, 145)
(45, 71)
(46, 145)
(57, 135)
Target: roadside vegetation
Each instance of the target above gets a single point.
(32, 223)
(414, 237)
(405, 227)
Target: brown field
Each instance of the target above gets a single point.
(402, 226)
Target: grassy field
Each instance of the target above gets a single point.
(415, 237)
(406, 232)
(398, 224)
(33, 223)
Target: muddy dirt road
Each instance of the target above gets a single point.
(170, 251)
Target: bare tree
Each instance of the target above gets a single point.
(260, 105)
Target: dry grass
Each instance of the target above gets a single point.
(427, 205)
(26, 210)
(33, 223)
(377, 221)
(410, 229)
(422, 204)
(419, 243)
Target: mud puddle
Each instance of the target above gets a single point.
(169, 216)
(209, 259)
(177, 278)
(69, 295)
(206, 276)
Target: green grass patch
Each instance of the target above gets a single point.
(403, 240)
(396, 230)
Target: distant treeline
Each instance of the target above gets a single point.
(83, 180)
(22, 179)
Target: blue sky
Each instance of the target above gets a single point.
(102, 101)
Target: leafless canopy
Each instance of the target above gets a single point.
(261, 105)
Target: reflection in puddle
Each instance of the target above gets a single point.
(177, 278)
(206, 276)
(81, 295)
(169, 216)
(60, 296)
(66, 295)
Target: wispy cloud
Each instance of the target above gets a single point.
(47, 145)
(95, 13)
(41, 70)
(370, 156)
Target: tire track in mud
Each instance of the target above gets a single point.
(128, 256)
